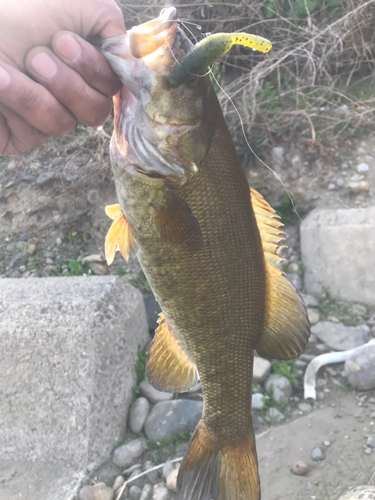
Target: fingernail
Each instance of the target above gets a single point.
(44, 65)
(68, 47)
(4, 78)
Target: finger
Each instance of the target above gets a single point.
(34, 103)
(102, 18)
(16, 135)
(89, 106)
(86, 61)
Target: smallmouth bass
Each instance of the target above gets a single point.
(207, 245)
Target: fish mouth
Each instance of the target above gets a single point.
(147, 38)
(133, 57)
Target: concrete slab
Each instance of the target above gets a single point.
(69, 347)
(338, 250)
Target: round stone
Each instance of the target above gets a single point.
(299, 468)
(317, 454)
(152, 394)
(138, 414)
(125, 455)
(279, 387)
(172, 480)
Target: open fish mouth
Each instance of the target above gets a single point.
(144, 111)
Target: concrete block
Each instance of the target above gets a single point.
(68, 350)
(338, 250)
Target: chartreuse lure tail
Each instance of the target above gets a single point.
(211, 49)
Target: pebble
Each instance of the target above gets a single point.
(299, 468)
(317, 454)
(309, 300)
(119, 481)
(327, 444)
(160, 492)
(368, 451)
(339, 182)
(293, 268)
(257, 401)
(261, 370)
(11, 165)
(362, 167)
(172, 480)
(93, 257)
(44, 178)
(168, 417)
(93, 197)
(296, 280)
(124, 455)
(331, 186)
(152, 476)
(146, 492)
(340, 337)
(98, 269)
(108, 474)
(300, 364)
(168, 467)
(152, 394)
(313, 315)
(278, 154)
(274, 415)
(99, 491)
(360, 368)
(49, 261)
(371, 442)
(138, 414)
(279, 387)
(306, 407)
(17, 260)
(58, 241)
(358, 186)
(135, 492)
(31, 249)
(140, 481)
(344, 166)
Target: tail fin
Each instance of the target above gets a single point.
(213, 472)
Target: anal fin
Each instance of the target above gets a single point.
(119, 236)
(287, 329)
(168, 366)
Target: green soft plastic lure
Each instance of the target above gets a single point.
(209, 50)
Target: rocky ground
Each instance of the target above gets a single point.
(52, 223)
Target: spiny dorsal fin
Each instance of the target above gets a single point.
(286, 330)
(168, 367)
(119, 236)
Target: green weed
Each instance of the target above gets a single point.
(287, 369)
(140, 371)
(287, 212)
(328, 306)
(160, 450)
(140, 281)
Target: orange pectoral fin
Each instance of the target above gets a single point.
(177, 224)
(168, 367)
(119, 236)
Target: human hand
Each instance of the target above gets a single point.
(69, 81)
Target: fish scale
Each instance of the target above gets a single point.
(207, 247)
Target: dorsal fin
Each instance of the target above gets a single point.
(287, 329)
(168, 366)
(119, 236)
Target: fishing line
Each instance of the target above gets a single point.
(241, 121)
(252, 150)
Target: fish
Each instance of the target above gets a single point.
(207, 245)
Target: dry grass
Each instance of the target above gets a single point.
(317, 78)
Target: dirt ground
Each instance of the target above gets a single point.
(52, 216)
